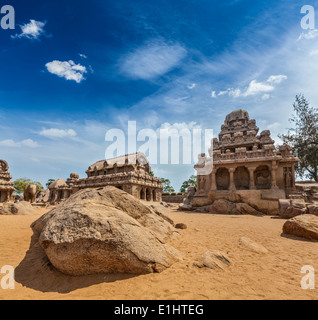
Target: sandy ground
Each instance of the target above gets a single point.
(273, 275)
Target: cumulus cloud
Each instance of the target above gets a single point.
(32, 30)
(254, 88)
(67, 69)
(58, 133)
(14, 144)
(152, 60)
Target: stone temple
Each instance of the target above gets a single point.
(242, 163)
(130, 173)
(6, 185)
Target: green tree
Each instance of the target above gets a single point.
(49, 182)
(191, 182)
(303, 138)
(167, 188)
(20, 184)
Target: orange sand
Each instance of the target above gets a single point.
(274, 275)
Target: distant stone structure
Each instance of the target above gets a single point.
(241, 161)
(6, 185)
(130, 173)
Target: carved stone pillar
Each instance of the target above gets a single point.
(213, 183)
(274, 169)
(252, 178)
(232, 184)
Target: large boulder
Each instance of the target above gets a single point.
(20, 208)
(43, 196)
(305, 226)
(222, 206)
(106, 230)
(291, 208)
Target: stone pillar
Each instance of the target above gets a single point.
(232, 184)
(274, 169)
(293, 177)
(213, 183)
(252, 178)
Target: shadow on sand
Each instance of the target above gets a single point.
(292, 237)
(35, 271)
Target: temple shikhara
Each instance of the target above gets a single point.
(242, 160)
(6, 185)
(130, 173)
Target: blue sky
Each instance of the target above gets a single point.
(72, 70)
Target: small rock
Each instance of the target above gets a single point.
(213, 260)
(251, 245)
(181, 226)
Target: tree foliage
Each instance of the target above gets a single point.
(49, 182)
(303, 138)
(167, 188)
(191, 182)
(20, 184)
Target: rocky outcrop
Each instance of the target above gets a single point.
(43, 196)
(304, 226)
(20, 208)
(292, 208)
(106, 230)
(188, 199)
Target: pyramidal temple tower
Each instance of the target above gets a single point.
(242, 162)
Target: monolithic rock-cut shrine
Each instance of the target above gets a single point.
(6, 185)
(245, 163)
(130, 173)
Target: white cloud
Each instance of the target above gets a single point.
(67, 69)
(82, 55)
(311, 34)
(13, 144)
(213, 94)
(152, 60)
(313, 53)
(192, 86)
(32, 30)
(276, 79)
(255, 88)
(58, 133)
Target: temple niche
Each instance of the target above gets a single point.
(130, 173)
(6, 185)
(243, 160)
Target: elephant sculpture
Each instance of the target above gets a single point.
(30, 193)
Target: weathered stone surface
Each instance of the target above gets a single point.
(213, 260)
(161, 213)
(291, 208)
(43, 196)
(305, 226)
(222, 207)
(251, 245)
(21, 208)
(181, 226)
(313, 209)
(188, 199)
(244, 208)
(106, 230)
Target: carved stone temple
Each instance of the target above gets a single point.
(243, 163)
(130, 173)
(6, 185)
